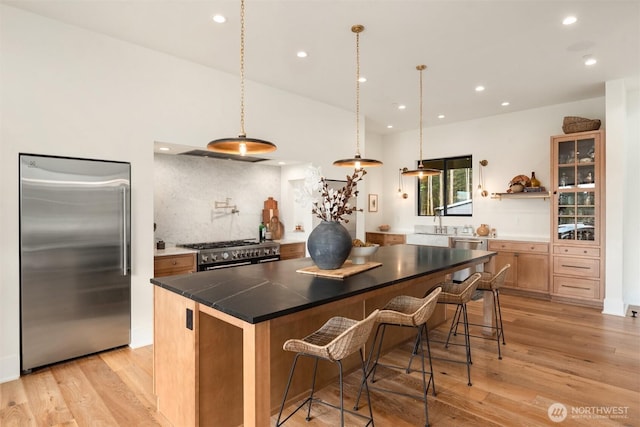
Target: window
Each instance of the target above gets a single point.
(449, 193)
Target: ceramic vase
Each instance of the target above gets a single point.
(329, 245)
(483, 230)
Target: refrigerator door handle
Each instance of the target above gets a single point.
(125, 250)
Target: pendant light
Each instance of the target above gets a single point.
(357, 161)
(241, 145)
(481, 189)
(421, 171)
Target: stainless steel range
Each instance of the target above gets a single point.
(232, 253)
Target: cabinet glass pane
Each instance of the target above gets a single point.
(566, 177)
(566, 152)
(586, 176)
(585, 229)
(566, 198)
(585, 198)
(586, 151)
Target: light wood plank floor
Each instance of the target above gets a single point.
(555, 353)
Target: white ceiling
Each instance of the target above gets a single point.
(518, 49)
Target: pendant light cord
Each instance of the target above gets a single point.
(242, 132)
(357, 90)
(421, 68)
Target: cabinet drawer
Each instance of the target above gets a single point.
(505, 245)
(174, 264)
(575, 287)
(584, 267)
(384, 239)
(574, 250)
(394, 239)
(292, 250)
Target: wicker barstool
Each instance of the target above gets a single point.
(459, 294)
(490, 283)
(410, 312)
(338, 338)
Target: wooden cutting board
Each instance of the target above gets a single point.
(347, 269)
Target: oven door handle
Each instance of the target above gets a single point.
(217, 267)
(269, 260)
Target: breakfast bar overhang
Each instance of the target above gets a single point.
(218, 335)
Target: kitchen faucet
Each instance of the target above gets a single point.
(439, 229)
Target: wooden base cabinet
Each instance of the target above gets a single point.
(386, 239)
(577, 218)
(170, 265)
(529, 261)
(292, 250)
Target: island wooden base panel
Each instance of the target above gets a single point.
(554, 353)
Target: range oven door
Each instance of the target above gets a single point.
(237, 263)
(209, 267)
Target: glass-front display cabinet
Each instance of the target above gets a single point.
(578, 183)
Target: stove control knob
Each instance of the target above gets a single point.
(214, 257)
(267, 251)
(205, 258)
(225, 255)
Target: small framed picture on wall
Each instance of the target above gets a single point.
(373, 203)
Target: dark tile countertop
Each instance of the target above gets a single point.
(260, 292)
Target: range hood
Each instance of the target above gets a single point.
(215, 155)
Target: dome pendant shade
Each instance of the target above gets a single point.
(241, 145)
(357, 162)
(421, 172)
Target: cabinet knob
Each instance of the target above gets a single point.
(585, 252)
(174, 262)
(566, 250)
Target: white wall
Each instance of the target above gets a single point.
(514, 144)
(631, 225)
(69, 92)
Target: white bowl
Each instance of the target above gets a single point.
(359, 254)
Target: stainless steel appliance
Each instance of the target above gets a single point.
(75, 284)
(459, 242)
(467, 243)
(232, 253)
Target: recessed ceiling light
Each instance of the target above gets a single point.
(505, 103)
(301, 54)
(590, 60)
(479, 88)
(389, 126)
(282, 163)
(441, 116)
(164, 149)
(402, 107)
(569, 20)
(362, 79)
(219, 19)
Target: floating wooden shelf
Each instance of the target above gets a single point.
(522, 195)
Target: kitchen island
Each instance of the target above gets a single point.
(218, 335)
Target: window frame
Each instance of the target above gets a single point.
(443, 164)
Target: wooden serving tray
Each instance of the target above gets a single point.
(347, 269)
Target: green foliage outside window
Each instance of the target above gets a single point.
(449, 193)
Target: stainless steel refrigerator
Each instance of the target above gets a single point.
(75, 285)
